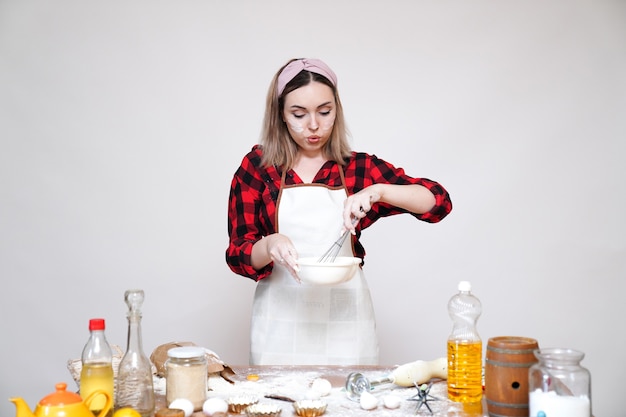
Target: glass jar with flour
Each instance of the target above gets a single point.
(186, 375)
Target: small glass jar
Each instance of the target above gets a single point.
(558, 385)
(186, 375)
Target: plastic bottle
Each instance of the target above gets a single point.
(97, 366)
(134, 376)
(465, 347)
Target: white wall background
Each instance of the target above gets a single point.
(122, 122)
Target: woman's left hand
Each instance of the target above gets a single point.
(356, 206)
(414, 198)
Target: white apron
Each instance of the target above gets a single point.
(300, 324)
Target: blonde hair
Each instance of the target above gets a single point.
(279, 149)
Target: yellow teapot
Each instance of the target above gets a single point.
(62, 403)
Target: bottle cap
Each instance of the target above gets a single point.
(96, 324)
(186, 352)
(465, 286)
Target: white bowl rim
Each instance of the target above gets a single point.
(339, 261)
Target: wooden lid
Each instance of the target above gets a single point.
(170, 412)
(512, 342)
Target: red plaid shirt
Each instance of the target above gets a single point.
(254, 191)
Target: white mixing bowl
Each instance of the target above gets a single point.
(313, 272)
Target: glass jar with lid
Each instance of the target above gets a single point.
(558, 385)
(186, 375)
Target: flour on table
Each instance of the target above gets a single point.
(295, 385)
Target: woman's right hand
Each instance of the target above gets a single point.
(276, 248)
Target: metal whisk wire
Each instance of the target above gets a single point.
(331, 254)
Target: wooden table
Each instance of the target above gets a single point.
(295, 381)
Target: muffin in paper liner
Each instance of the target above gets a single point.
(239, 404)
(309, 408)
(263, 410)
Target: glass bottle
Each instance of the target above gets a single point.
(465, 348)
(134, 376)
(97, 367)
(558, 385)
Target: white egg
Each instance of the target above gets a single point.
(391, 401)
(322, 386)
(182, 404)
(368, 401)
(214, 405)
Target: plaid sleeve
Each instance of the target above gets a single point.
(251, 210)
(365, 170)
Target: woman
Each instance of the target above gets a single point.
(292, 196)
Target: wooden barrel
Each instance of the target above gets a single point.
(506, 375)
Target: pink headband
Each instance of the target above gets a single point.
(294, 68)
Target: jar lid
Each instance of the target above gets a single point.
(186, 352)
(170, 412)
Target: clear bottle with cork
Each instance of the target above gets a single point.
(97, 367)
(134, 377)
(465, 347)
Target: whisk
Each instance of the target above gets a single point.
(331, 254)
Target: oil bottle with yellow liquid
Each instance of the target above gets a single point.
(465, 347)
(97, 367)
